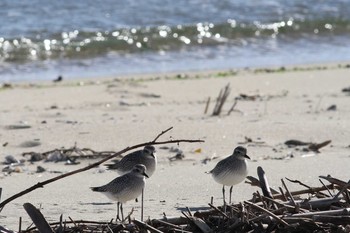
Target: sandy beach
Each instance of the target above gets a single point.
(112, 113)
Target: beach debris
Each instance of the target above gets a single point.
(248, 140)
(198, 150)
(311, 209)
(18, 126)
(346, 89)
(6, 85)
(5, 230)
(37, 218)
(310, 146)
(150, 95)
(10, 159)
(221, 99)
(58, 79)
(31, 143)
(12, 165)
(13, 168)
(333, 107)
(208, 159)
(40, 169)
(248, 97)
(178, 156)
(124, 103)
(5, 144)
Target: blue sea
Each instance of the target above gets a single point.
(41, 39)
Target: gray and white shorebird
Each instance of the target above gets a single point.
(146, 156)
(125, 188)
(231, 170)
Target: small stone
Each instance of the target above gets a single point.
(30, 144)
(40, 169)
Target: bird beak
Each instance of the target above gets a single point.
(246, 156)
(145, 174)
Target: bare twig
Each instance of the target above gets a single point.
(289, 194)
(220, 101)
(42, 184)
(146, 226)
(207, 106)
(218, 210)
(268, 212)
(232, 108)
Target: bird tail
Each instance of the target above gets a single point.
(96, 189)
(112, 166)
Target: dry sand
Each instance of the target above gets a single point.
(112, 114)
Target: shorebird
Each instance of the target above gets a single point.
(146, 156)
(231, 170)
(125, 188)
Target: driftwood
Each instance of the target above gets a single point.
(323, 214)
(38, 218)
(221, 99)
(310, 146)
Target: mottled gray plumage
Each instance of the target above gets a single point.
(126, 187)
(146, 156)
(231, 170)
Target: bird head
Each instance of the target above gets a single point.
(241, 152)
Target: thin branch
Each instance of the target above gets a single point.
(42, 184)
(298, 182)
(159, 135)
(268, 212)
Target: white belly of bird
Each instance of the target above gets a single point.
(231, 177)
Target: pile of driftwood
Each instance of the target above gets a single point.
(311, 209)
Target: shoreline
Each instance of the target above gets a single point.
(111, 114)
(192, 74)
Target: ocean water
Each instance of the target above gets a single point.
(41, 39)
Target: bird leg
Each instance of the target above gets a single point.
(117, 218)
(230, 194)
(142, 205)
(121, 210)
(223, 196)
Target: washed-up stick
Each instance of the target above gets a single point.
(255, 182)
(207, 106)
(165, 223)
(344, 212)
(268, 212)
(305, 191)
(199, 223)
(145, 226)
(287, 206)
(221, 99)
(264, 183)
(338, 220)
(42, 184)
(317, 146)
(219, 211)
(38, 219)
(289, 194)
(336, 181)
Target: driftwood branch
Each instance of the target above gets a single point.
(324, 214)
(42, 184)
(38, 219)
(221, 99)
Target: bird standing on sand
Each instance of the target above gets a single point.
(146, 156)
(231, 170)
(125, 188)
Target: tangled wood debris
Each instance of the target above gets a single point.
(314, 209)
